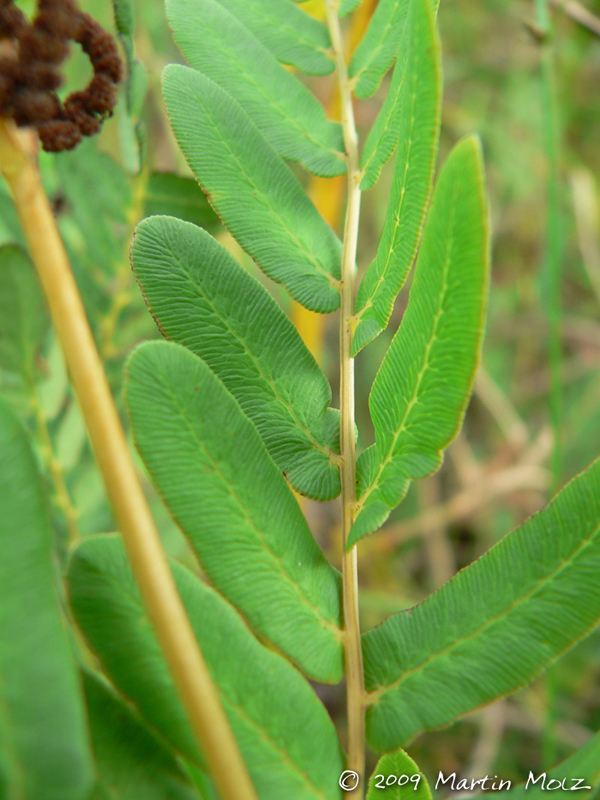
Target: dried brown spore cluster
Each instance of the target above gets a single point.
(30, 76)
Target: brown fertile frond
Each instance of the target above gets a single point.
(30, 76)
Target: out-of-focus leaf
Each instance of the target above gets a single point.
(412, 121)
(201, 780)
(53, 390)
(286, 114)
(23, 318)
(71, 437)
(131, 762)
(233, 504)
(43, 738)
(378, 49)
(179, 197)
(583, 764)
(465, 645)
(395, 767)
(421, 391)
(128, 142)
(347, 6)
(201, 297)
(124, 16)
(284, 732)
(137, 88)
(10, 229)
(99, 195)
(252, 190)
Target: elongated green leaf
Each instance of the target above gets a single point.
(379, 47)
(53, 390)
(412, 107)
(43, 740)
(137, 88)
(493, 627)
(286, 31)
(231, 501)
(385, 132)
(284, 732)
(421, 391)
(413, 122)
(201, 297)
(131, 761)
(397, 776)
(178, 197)
(132, 134)
(23, 317)
(584, 764)
(252, 190)
(124, 16)
(287, 115)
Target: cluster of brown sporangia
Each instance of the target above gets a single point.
(30, 74)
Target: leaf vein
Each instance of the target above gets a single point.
(322, 448)
(414, 398)
(280, 567)
(586, 542)
(266, 200)
(285, 757)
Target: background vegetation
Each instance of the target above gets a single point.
(525, 434)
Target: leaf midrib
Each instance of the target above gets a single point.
(322, 448)
(392, 113)
(282, 24)
(134, 596)
(368, 67)
(325, 623)
(332, 281)
(433, 338)
(373, 696)
(370, 301)
(272, 100)
(284, 755)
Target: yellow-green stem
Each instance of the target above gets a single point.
(18, 164)
(121, 296)
(355, 689)
(62, 494)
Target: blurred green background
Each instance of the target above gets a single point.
(534, 421)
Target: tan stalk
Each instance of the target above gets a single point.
(579, 13)
(18, 164)
(355, 689)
